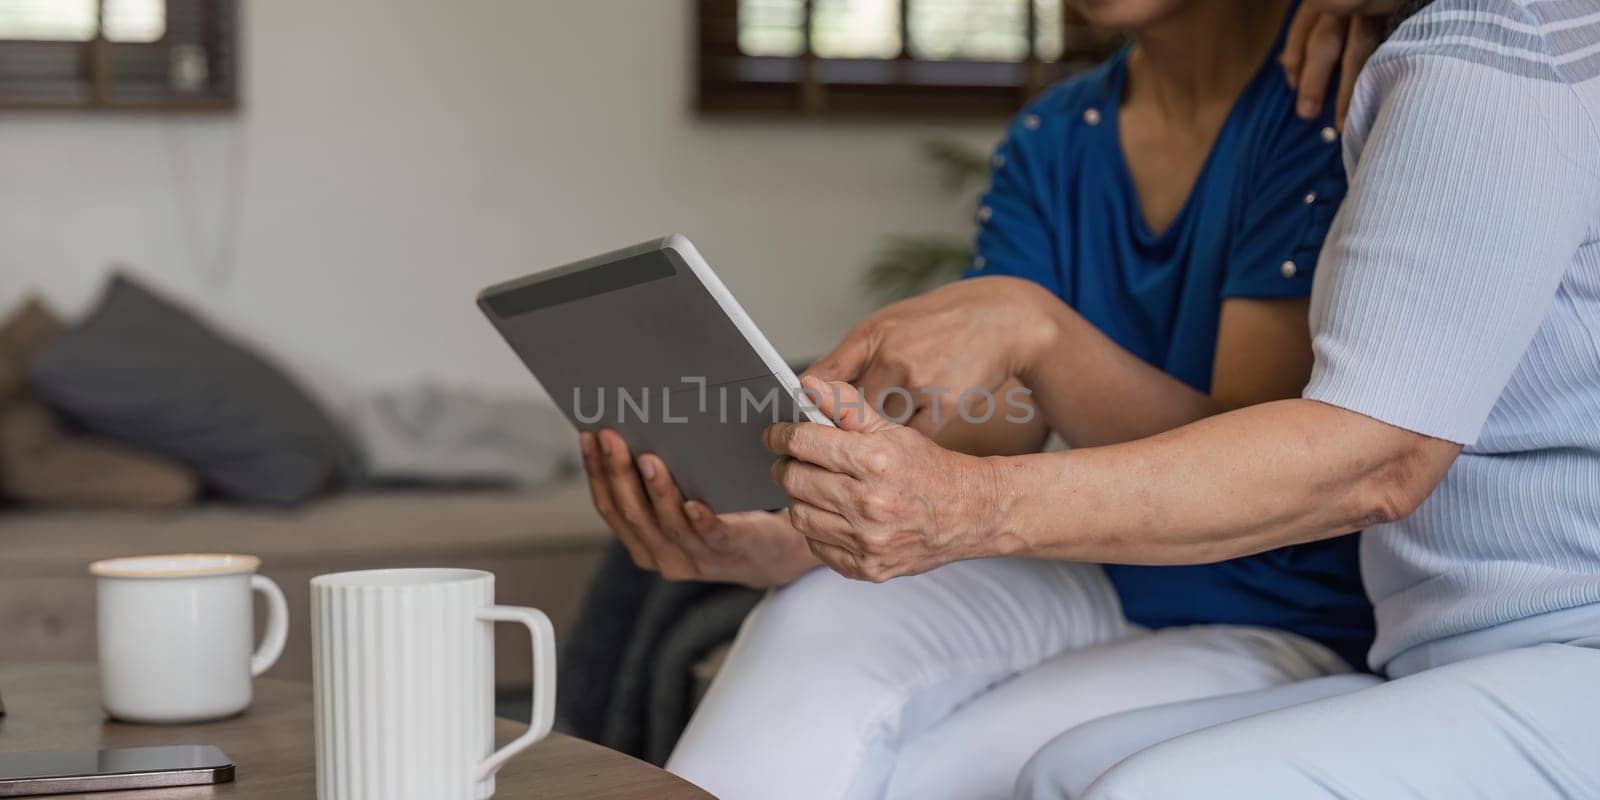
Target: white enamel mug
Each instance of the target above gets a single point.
(176, 635)
(403, 683)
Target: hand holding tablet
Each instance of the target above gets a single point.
(687, 540)
(648, 342)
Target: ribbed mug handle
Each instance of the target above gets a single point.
(544, 681)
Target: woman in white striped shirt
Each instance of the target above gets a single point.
(1454, 413)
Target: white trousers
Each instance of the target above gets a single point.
(942, 685)
(1515, 724)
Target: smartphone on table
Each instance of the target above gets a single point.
(65, 772)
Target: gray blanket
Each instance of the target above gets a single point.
(428, 433)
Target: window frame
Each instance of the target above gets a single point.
(728, 82)
(96, 63)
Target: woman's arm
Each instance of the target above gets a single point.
(1093, 392)
(878, 500)
(1238, 483)
(981, 333)
(1003, 433)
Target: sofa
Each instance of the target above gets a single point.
(542, 545)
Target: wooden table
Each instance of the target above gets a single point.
(57, 707)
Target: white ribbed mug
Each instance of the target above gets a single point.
(403, 683)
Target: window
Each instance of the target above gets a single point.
(887, 56)
(133, 54)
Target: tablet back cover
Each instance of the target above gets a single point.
(636, 341)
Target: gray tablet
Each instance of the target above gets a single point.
(647, 341)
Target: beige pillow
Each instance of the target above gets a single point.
(42, 463)
(11, 385)
(22, 333)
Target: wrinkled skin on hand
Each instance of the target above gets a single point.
(876, 500)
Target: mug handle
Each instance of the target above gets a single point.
(277, 625)
(544, 681)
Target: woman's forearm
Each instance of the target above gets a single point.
(1296, 471)
(1003, 433)
(1093, 392)
(1096, 393)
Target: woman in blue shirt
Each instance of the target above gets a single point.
(1176, 203)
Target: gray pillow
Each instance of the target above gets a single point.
(146, 372)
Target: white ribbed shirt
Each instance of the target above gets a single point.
(1458, 295)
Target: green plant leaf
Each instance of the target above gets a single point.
(960, 164)
(909, 265)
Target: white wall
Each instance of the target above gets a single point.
(393, 156)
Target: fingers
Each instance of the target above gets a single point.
(829, 448)
(666, 500)
(623, 482)
(703, 521)
(1361, 42)
(701, 518)
(821, 525)
(594, 468)
(812, 484)
(851, 565)
(1366, 7)
(1323, 51)
(1294, 48)
(837, 559)
(633, 505)
(845, 405)
(847, 360)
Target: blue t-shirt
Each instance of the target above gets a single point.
(1062, 211)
